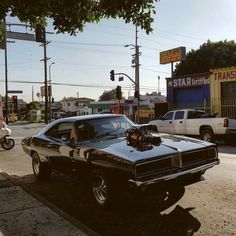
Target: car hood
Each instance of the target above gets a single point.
(170, 145)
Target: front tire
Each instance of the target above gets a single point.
(8, 143)
(207, 135)
(41, 170)
(100, 188)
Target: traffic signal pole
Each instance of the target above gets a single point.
(6, 81)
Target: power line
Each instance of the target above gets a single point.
(89, 44)
(82, 85)
(157, 71)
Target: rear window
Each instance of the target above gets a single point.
(195, 114)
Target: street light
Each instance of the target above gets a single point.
(50, 92)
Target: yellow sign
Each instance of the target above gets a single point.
(172, 55)
(145, 112)
(218, 78)
(225, 75)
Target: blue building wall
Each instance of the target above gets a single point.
(190, 91)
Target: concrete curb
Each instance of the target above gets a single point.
(7, 181)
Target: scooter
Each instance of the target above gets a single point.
(5, 132)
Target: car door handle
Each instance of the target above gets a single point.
(181, 122)
(170, 122)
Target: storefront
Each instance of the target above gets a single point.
(190, 91)
(223, 91)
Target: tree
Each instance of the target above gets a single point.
(108, 95)
(209, 56)
(34, 105)
(71, 16)
(30, 106)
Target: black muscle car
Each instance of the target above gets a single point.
(112, 154)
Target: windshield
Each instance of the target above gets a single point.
(111, 127)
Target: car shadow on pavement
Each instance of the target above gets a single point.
(127, 216)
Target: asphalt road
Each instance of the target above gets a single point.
(207, 208)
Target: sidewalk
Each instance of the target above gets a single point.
(22, 214)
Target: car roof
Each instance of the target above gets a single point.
(86, 117)
(78, 118)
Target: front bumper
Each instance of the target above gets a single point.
(167, 178)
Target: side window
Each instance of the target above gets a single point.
(85, 130)
(168, 116)
(195, 114)
(179, 115)
(191, 115)
(60, 131)
(53, 132)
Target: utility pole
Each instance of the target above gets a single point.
(45, 78)
(136, 66)
(45, 59)
(137, 87)
(32, 93)
(50, 92)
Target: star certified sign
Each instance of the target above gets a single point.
(195, 81)
(173, 55)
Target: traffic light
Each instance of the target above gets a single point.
(40, 34)
(112, 75)
(136, 95)
(14, 99)
(118, 92)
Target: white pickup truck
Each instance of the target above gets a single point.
(197, 123)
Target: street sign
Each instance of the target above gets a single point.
(20, 36)
(15, 91)
(43, 90)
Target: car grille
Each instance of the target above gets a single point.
(173, 163)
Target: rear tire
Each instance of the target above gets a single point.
(41, 170)
(8, 143)
(207, 135)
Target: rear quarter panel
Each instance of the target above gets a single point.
(193, 125)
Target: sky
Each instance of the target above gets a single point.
(82, 63)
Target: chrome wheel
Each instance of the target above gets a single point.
(41, 170)
(99, 187)
(207, 135)
(36, 164)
